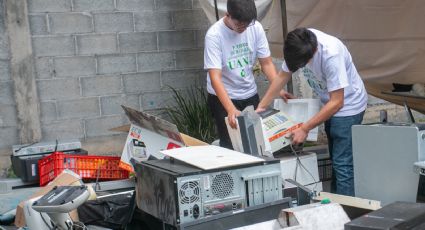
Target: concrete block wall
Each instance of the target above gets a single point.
(92, 56)
(8, 120)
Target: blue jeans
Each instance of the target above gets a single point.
(338, 130)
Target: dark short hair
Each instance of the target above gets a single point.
(299, 48)
(242, 10)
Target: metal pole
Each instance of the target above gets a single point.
(216, 10)
(289, 86)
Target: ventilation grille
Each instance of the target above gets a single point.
(222, 185)
(189, 192)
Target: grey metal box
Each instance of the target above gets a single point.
(383, 157)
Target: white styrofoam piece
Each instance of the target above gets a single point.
(315, 216)
(309, 160)
(210, 156)
(300, 110)
(267, 225)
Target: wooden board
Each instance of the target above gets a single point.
(210, 156)
(350, 201)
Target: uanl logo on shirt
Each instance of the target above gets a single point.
(313, 82)
(239, 58)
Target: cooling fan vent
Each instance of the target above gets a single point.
(222, 185)
(189, 192)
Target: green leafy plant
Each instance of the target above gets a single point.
(191, 114)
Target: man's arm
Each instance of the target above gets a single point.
(217, 84)
(335, 103)
(275, 86)
(268, 68)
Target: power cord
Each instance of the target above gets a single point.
(300, 164)
(44, 220)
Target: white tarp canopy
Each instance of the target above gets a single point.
(385, 37)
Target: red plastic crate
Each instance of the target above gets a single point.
(88, 167)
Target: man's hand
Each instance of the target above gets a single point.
(285, 96)
(231, 116)
(260, 109)
(299, 135)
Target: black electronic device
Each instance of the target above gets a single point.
(26, 166)
(397, 215)
(177, 193)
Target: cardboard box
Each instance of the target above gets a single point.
(148, 135)
(65, 178)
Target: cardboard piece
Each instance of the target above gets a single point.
(65, 178)
(353, 206)
(148, 135)
(188, 140)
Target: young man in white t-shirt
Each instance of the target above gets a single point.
(232, 46)
(330, 72)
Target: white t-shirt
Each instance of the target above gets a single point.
(332, 68)
(235, 54)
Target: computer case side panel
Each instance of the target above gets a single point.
(155, 193)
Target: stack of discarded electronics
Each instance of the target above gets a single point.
(25, 157)
(198, 186)
(213, 184)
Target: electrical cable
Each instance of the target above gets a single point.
(56, 146)
(302, 166)
(44, 220)
(24, 146)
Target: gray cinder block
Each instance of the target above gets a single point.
(8, 116)
(190, 59)
(175, 40)
(9, 137)
(101, 126)
(111, 105)
(97, 44)
(43, 67)
(74, 66)
(48, 111)
(156, 100)
(78, 108)
(93, 5)
(65, 129)
(190, 19)
(182, 79)
(101, 85)
(173, 4)
(141, 82)
(38, 24)
(113, 22)
(49, 6)
(6, 93)
(135, 5)
(53, 45)
(125, 63)
(58, 89)
(153, 21)
(71, 23)
(4, 70)
(137, 42)
(147, 62)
